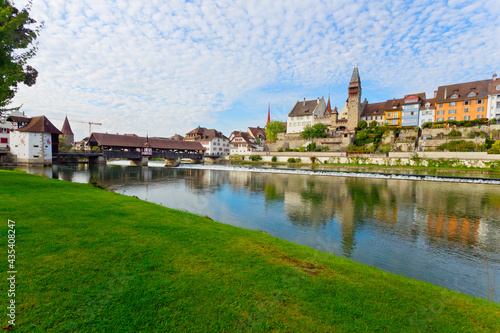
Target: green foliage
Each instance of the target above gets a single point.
(325, 148)
(95, 148)
(493, 121)
(427, 125)
(461, 123)
(274, 159)
(495, 148)
(460, 145)
(17, 34)
(474, 134)
(370, 135)
(63, 145)
(273, 129)
(311, 146)
(255, 158)
(373, 124)
(291, 160)
(316, 131)
(442, 163)
(362, 125)
(302, 149)
(280, 149)
(454, 133)
(236, 157)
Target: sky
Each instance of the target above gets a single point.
(160, 67)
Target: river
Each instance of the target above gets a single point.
(431, 229)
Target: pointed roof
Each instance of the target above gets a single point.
(355, 76)
(328, 106)
(66, 129)
(40, 124)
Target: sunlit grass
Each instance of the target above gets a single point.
(93, 260)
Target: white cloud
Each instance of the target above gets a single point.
(165, 67)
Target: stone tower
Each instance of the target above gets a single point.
(67, 133)
(354, 101)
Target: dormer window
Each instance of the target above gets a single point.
(498, 87)
(427, 105)
(471, 94)
(455, 95)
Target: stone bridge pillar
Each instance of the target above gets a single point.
(172, 162)
(210, 160)
(100, 159)
(140, 162)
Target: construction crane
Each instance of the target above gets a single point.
(84, 122)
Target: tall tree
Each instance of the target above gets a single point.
(273, 128)
(18, 32)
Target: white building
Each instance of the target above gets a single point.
(14, 120)
(427, 111)
(215, 143)
(303, 113)
(243, 142)
(36, 142)
(494, 98)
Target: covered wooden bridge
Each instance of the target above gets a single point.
(140, 149)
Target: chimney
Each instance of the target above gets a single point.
(435, 93)
(495, 77)
(304, 101)
(317, 101)
(445, 92)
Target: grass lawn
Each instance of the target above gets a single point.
(92, 260)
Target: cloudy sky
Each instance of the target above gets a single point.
(165, 66)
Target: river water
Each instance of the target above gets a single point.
(430, 229)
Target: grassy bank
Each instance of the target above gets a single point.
(93, 260)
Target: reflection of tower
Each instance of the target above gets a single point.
(348, 226)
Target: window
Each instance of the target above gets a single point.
(4, 140)
(466, 117)
(453, 103)
(498, 105)
(452, 111)
(479, 116)
(455, 95)
(440, 119)
(480, 109)
(4, 130)
(466, 110)
(466, 102)
(440, 105)
(479, 101)
(440, 112)
(389, 115)
(471, 94)
(452, 118)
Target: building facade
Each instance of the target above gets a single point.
(410, 110)
(392, 112)
(36, 142)
(427, 111)
(214, 142)
(463, 101)
(303, 113)
(494, 98)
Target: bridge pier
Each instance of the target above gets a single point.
(210, 160)
(172, 162)
(100, 159)
(140, 161)
(191, 160)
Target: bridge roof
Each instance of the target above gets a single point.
(134, 141)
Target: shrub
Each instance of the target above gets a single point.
(493, 121)
(325, 148)
(274, 159)
(298, 160)
(280, 149)
(302, 149)
(454, 133)
(255, 157)
(316, 131)
(495, 148)
(311, 146)
(291, 160)
(362, 124)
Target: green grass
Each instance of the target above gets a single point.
(93, 260)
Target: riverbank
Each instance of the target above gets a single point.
(90, 259)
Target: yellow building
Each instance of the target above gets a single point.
(392, 112)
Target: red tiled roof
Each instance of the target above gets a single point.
(40, 125)
(480, 88)
(304, 108)
(374, 109)
(134, 141)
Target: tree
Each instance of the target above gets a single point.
(318, 130)
(17, 34)
(273, 128)
(362, 124)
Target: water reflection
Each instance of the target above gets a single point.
(433, 231)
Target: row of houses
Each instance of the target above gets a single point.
(462, 101)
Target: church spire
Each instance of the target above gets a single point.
(355, 76)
